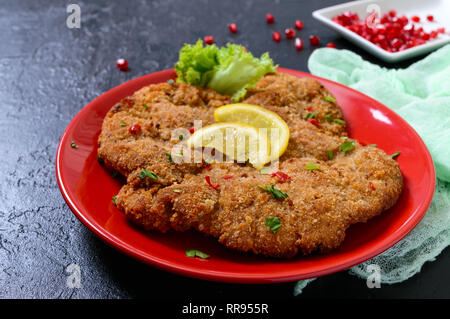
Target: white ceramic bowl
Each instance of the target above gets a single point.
(440, 9)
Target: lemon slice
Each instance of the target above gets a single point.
(239, 142)
(257, 116)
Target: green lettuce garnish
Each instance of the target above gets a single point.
(228, 70)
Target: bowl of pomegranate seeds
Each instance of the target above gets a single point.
(391, 30)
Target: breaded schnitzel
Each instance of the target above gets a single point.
(329, 187)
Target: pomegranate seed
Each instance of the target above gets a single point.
(135, 129)
(209, 39)
(299, 24)
(415, 19)
(290, 33)
(441, 30)
(331, 45)
(270, 18)
(433, 34)
(392, 13)
(314, 40)
(430, 18)
(191, 130)
(232, 27)
(276, 36)
(298, 44)
(122, 64)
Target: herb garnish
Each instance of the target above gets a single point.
(73, 145)
(328, 117)
(311, 115)
(373, 145)
(276, 193)
(347, 146)
(145, 106)
(169, 158)
(330, 99)
(339, 121)
(330, 155)
(144, 173)
(311, 166)
(180, 137)
(395, 154)
(114, 199)
(274, 223)
(196, 253)
(122, 123)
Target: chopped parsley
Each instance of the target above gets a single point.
(276, 193)
(330, 99)
(114, 199)
(311, 166)
(144, 173)
(177, 190)
(339, 121)
(73, 145)
(311, 115)
(145, 106)
(330, 155)
(196, 253)
(328, 117)
(395, 154)
(347, 146)
(169, 158)
(180, 137)
(122, 123)
(274, 223)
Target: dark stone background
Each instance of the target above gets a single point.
(49, 72)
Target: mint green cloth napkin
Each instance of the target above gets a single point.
(421, 95)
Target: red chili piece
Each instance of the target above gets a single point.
(208, 180)
(135, 129)
(227, 176)
(276, 36)
(313, 121)
(207, 167)
(270, 18)
(232, 27)
(309, 109)
(290, 33)
(209, 39)
(298, 24)
(283, 177)
(331, 45)
(372, 186)
(122, 65)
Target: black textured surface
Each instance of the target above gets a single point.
(49, 72)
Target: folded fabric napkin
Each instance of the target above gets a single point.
(421, 95)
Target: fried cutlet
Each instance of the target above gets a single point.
(349, 187)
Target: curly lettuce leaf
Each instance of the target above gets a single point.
(229, 70)
(196, 63)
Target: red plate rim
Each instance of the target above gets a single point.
(281, 276)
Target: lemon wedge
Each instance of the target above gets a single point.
(257, 116)
(238, 141)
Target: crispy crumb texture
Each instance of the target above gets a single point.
(349, 187)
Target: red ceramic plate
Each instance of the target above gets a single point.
(88, 188)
